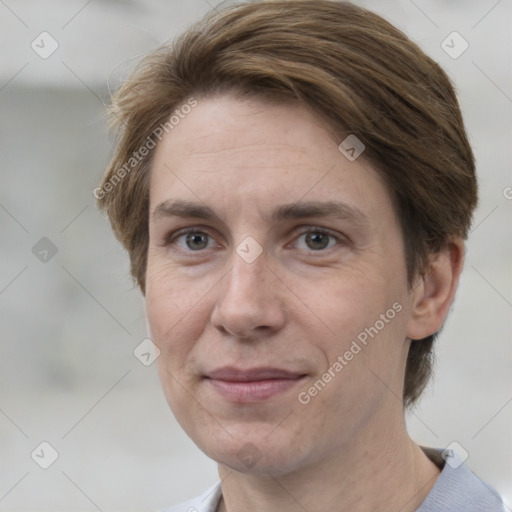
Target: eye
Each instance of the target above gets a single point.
(316, 240)
(192, 240)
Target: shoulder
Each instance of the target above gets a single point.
(459, 489)
(208, 501)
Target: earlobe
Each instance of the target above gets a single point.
(433, 292)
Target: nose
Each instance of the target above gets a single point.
(249, 304)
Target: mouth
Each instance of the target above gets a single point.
(253, 384)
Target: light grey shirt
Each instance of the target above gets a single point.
(457, 489)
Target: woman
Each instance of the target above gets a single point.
(294, 184)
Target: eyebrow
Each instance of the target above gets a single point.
(333, 209)
(300, 210)
(184, 209)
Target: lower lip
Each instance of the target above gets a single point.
(253, 391)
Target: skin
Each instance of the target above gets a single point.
(296, 306)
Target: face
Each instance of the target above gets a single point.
(276, 286)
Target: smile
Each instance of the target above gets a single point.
(253, 385)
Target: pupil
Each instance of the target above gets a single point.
(317, 240)
(196, 241)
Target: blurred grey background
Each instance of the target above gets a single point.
(71, 318)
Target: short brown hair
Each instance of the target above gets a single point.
(350, 66)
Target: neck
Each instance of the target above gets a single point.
(394, 475)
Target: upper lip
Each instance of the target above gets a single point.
(230, 373)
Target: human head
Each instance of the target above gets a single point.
(356, 71)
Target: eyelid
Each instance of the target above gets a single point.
(303, 230)
(170, 238)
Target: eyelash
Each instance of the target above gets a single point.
(172, 237)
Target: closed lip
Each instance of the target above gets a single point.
(232, 374)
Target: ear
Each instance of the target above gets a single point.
(433, 292)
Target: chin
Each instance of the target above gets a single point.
(253, 454)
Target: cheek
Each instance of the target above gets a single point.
(177, 311)
(346, 302)
(166, 305)
(168, 295)
(173, 316)
(362, 318)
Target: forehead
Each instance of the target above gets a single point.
(228, 127)
(247, 153)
